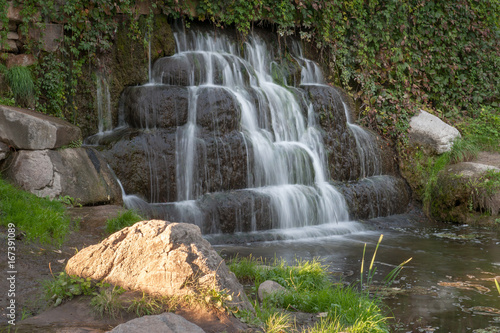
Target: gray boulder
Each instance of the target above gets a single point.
(163, 323)
(4, 151)
(269, 287)
(25, 129)
(431, 133)
(159, 258)
(80, 173)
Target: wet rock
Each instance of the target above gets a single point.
(217, 110)
(147, 164)
(25, 129)
(464, 192)
(374, 196)
(431, 133)
(269, 287)
(340, 144)
(159, 258)
(161, 106)
(80, 173)
(194, 68)
(163, 323)
(154, 106)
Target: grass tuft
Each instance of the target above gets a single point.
(309, 289)
(38, 218)
(21, 83)
(123, 220)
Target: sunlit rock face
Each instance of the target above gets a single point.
(241, 138)
(159, 258)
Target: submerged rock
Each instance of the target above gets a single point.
(159, 258)
(163, 323)
(431, 133)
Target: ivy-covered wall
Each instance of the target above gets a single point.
(392, 56)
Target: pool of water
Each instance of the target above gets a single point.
(448, 286)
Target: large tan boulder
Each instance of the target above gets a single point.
(159, 258)
(81, 173)
(26, 129)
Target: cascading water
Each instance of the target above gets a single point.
(103, 105)
(223, 141)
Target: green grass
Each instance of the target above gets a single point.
(38, 218)
(21, 83)
(483, 129)
(125, 219)
(309, 289)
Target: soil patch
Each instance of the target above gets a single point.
(35, 263)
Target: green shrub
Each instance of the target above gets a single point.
(125, 219)
(39, 218)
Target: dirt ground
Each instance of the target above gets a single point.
(35, 263)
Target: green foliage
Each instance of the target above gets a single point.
(69, 201)
(107, 302)
(304, 274)
(149, 305)
(65, 287)
(393, 56)
(309, 289)
(124, 219)
(483, 130)
(39, 218)
(278, 322)
(21, 83)
(389, 279)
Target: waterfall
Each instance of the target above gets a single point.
(216, 138)
(103, 104)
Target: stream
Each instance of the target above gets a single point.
(447, 286)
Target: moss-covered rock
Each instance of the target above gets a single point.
(467, 193)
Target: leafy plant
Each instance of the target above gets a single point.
(65, 287)
(124, 219)
(69, 201)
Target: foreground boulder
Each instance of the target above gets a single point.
(163, 323)
(25, 129)
(431, 133)
(80, 173)
(467, 193)
(159, 258)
